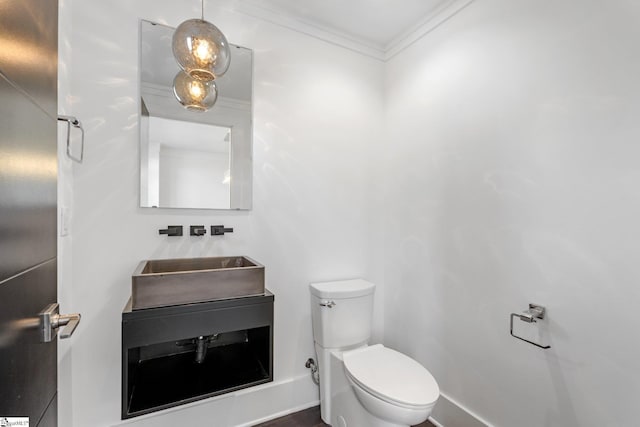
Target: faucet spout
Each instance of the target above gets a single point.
(197, 230)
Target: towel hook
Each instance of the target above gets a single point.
(73, 121)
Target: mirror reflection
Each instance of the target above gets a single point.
(192, 159)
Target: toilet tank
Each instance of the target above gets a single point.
(341, 312)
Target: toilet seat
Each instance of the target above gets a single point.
(391, 376)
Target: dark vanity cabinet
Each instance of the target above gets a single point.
(180, 354)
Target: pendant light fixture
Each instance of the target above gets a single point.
(201, 49)
(194, 94)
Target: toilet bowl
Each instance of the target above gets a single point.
(390, 385)
(362, 385)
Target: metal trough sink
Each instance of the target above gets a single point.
(165, 282)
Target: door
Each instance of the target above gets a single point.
(28, 206)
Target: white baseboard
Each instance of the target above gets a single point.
(243, 408)
(449, 413)
(255, 405)
(282, 414)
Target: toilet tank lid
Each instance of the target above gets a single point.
(342, 289)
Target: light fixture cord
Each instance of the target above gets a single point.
(202, 4)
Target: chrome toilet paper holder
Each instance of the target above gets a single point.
(531, 315)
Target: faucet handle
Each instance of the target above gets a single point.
(219, 230)
(172, 230)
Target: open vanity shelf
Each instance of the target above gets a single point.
(179, 354)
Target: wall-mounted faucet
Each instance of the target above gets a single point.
(219, 230)
(171, 230)
(197, 230)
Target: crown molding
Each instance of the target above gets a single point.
(327, 34)
(365, 47)
(429, 23)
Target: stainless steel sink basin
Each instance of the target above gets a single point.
(164, 282)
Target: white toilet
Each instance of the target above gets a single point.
(362, 385)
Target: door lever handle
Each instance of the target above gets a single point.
(51, 320)
(73, 320)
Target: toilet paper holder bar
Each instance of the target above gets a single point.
(531, 315)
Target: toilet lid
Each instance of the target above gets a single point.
(391, 376)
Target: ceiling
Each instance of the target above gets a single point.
(374, 27)
(378, 22)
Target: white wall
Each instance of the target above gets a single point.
(318, 108)
(512, 176)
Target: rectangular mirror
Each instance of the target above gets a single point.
(191, 159)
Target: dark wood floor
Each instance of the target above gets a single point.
(308, 418)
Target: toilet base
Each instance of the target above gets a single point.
(348, 412)
(327, 374)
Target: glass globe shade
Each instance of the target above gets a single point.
(201, 49)
(194, 94)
